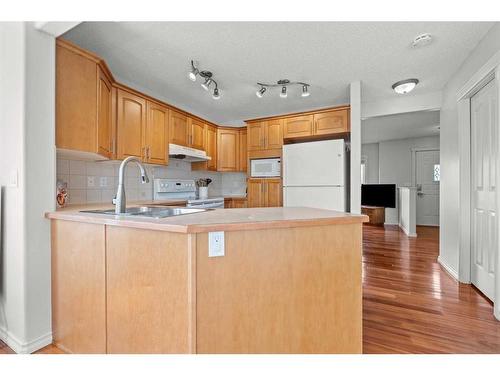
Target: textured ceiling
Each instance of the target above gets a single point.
(401, 126)
(155, 57)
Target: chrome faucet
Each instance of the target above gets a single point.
(120, 200)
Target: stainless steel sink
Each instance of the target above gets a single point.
(155, 212)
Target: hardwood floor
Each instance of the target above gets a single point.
(410, 304)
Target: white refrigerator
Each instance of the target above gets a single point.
(314, 175)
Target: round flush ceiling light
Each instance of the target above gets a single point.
(405, 86)
(422, 40)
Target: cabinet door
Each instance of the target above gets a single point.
(131, 118)
(211, 147)
(157, 134)
(75, 101)
(227, 150)
(273, 192)
(196, 134)
(255, 192)
(255, 136)
(178, 128)
(274, 134)
(300, 126)
(243, 150)
(105, 142)
(331, 122)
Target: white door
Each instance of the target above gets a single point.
(484, 236)
(327, 197)
(427, 180)
(314, 164)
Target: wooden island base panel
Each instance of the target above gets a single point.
(279, 288)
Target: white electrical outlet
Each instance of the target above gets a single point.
(90, 181)
(215, 244)
(103, 181)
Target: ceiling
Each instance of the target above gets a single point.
(400, 126)
(155, 56)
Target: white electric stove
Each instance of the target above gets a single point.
(168, 188)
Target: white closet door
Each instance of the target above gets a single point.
(484, 156)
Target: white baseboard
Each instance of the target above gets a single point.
(24, 348)
(407, 232)
(447, 268)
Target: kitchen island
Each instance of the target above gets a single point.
(289, 281)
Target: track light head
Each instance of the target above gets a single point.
(283, 93)
(193, 73)
(305, 92)
(261, 92)
(216, 94)
(206, 84)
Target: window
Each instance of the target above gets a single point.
(436, 173)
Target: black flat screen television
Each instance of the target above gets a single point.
(380, 195)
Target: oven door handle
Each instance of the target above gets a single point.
(206, 205)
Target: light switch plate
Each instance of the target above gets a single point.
(90, 181)
(215, 244)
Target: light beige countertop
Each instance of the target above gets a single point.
(220, 220)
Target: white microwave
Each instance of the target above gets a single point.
(265, 167)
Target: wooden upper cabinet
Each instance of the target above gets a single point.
(156, 134)
(211, 147)
(273, 191)
(131, 124)
(83, 102)
(331, 122)
(178, 128)
(255, 192)
(227, 150)
(274, 134)
(196, 135)
(243, 150)
(299, 126)
(104, 112)
(265, 135)
(255, 136)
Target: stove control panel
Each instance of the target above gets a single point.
(167, 185)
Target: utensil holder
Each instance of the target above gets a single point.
(203, 192)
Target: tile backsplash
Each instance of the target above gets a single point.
(97, 181)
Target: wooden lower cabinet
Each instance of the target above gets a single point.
(264, 192)
(78, 287)
(235, 202)
(149, 298)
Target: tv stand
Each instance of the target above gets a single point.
(376, 214)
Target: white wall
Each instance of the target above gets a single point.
(449, 158)
(27, 151)
(369, 153)
(395, 165)
(407, 205)
(12, 78)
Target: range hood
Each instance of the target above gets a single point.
(187, 153)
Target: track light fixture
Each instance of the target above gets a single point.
(283, 83)
(194, 72)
